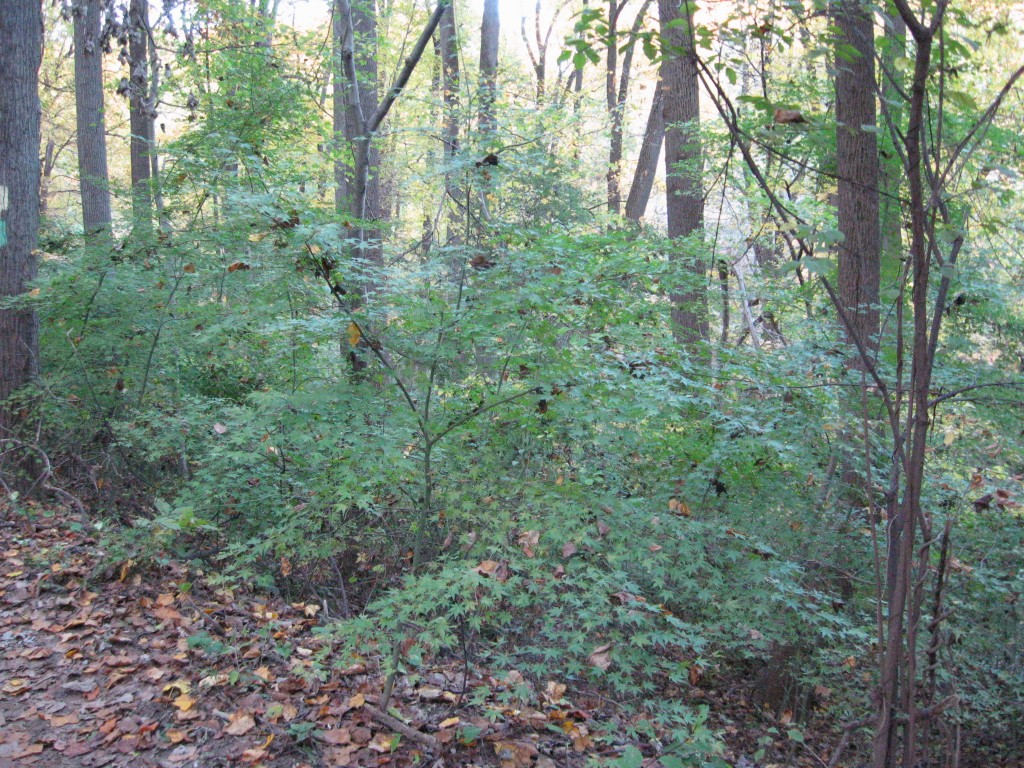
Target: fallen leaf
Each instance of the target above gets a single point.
(176, 735)
(601, 657)
(241, 723)
(336, 737)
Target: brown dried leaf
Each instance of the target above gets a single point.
(601, 657)
(241, 723)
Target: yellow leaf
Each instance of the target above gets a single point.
(353, 334)
(263, 673)
(177, 688)
(449, 722)
(184, 702)
(356, 701)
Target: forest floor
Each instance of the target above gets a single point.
(96, 669)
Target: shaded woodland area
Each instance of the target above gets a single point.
(581, 383)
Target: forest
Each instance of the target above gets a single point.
(626, 383)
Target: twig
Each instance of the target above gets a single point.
(408, 731)
(848, 730)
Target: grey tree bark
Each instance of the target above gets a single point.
(647, 161)
(90, 121)
(857, 171)
(683, 165)
(140, 112)
(21, 38)
(617, 95)
(490, 33)
(448, 52)
(357, 183)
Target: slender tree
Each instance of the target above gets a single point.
(683, 163)
(447, 46)
(90, 120)
(490, 33)
(21, 37)
(647, 161)
(140, 111)
(617, 94)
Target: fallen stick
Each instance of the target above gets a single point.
(409, 732)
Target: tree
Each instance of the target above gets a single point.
(490, 35)
(647, 161)
(617, 95)
(355, 99)
(857, 172)
(447, 48)
(683, 163)
(92, 132)
(140, 111)
(21, 35)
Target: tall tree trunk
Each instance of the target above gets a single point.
(357, 190)
(92, 135)
(857, 169)
(140, 111)
(890, 165)
(683, 165)
(647, 161)
(612, 105)
(448, 51)
(21, 38)
(617, 96)
(490, 35)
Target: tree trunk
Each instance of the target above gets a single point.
(92, 136)
(647, 161)
(21, 37)
(683, 165)
(857, 169)
(612, 105)
(357, 190)
(448, 52)
(490, 31)
(617, 97)
(890, 167)
(140, 112)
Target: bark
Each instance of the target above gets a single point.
(683, 166)
(140, 111)
(612, 105)
(91, 126)
(490, 31)
(647, 161)
(448, 52)
(890, 167)
(857, 170)
(357, 190)
(448, 48)
(21, 38)
(617, 96)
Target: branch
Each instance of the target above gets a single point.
(410, 64)
(962, 390)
